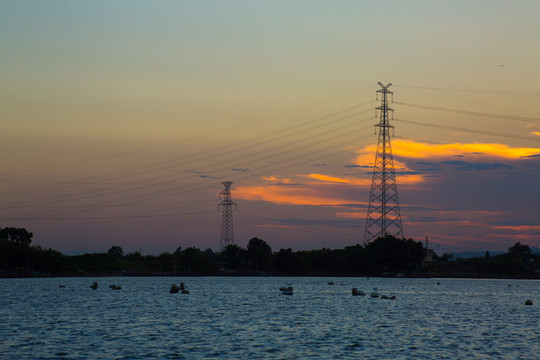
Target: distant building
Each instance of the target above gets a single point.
(428, 255)
(428, 258)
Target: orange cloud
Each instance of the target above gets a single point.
(409, 179)
(519, 227)
(408, 148)
(327, 178)
(413, 149)
(352, 215)
(278, 180)
(288, 195)
(537, 133)
(334, 179)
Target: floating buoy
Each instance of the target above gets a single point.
(331, 283)
(62, 286)
(94, 286)
(286, 290)
(528, 302)
(355, 292)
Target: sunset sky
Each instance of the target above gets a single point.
(120, 119)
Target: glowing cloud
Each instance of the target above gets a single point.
(327, 178)
(288, 195)
(412, 149)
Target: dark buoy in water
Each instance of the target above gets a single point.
(62, 286)
(331, 283)
(528, 302)
(286, 290)
(94, 285)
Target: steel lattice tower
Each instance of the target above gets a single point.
(383, 216)
(226, 204)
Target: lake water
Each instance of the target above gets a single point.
(249, 318)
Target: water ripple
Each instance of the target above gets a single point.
(244, 318)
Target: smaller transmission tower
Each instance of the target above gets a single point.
(226, 204)
(383, 216)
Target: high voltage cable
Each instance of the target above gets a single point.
(299, 109)
(304, 226)
(79, 181)
(301, 227)
(218, 151)
(168, 193)
(118, 154)
(473, 113)
(108, 217)
(470, 90)
(139, 186)
(483, 132)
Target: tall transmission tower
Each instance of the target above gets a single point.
(383, 216)
(226, 204)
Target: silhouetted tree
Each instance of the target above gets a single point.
(392, 254)
(519, 250)
(19, 235)
(115, 251)
(233, 256)
(259, 253)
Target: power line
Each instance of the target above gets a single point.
(483, 132)
(220, 131)
(213, 153)
(108, 217)
(168, 193)
(137, 186)
(532, 93)
(302, 226)
(473, 113)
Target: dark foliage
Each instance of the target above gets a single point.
(386, 256)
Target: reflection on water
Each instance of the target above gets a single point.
(246, 318)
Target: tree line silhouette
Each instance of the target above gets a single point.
(386, 256)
